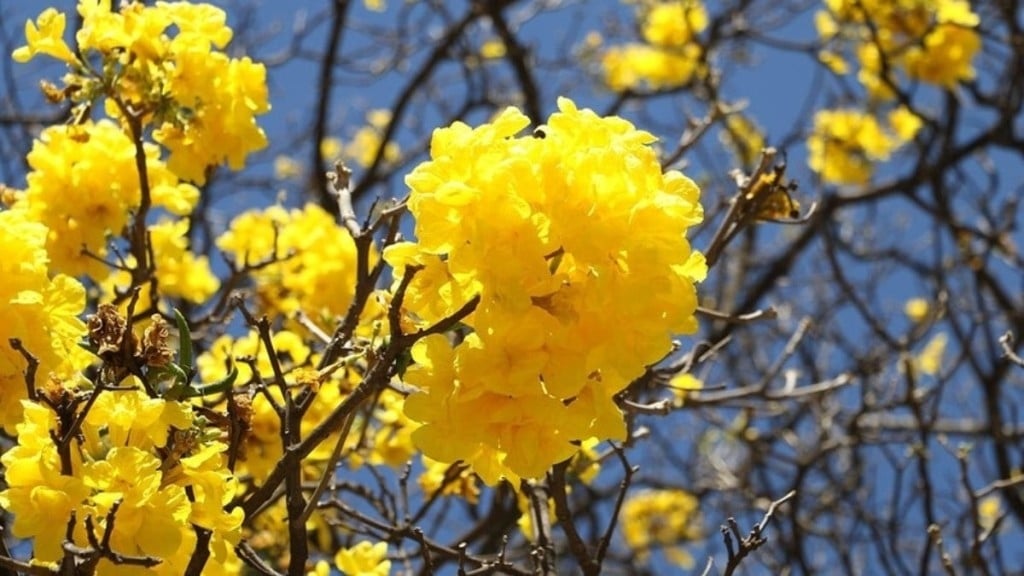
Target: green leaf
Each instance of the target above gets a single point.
(222, 385)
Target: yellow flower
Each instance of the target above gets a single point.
(392, 441)
(544, 229)
(527, 515)
(40, 311)
(364, 559)
(212, 364)
(674, 23)
(222, 126)
(39, 496)
(946, 57)
(834, 61)
(262, 448)
(640, 65)
(904, 123)
(366, 142)
(744, 138)
(929, 361)
(84, 200)
(668, 58)
(213, 488)
(132, 418)
(179, 272)
(45, 36)
(286, 168)
(316, 271)
(463, 484)
(989, 511)
(151, 518)
(845, 144)
(331, 148)
(916, 309)
(167, 58)
(934, 41)
(492, 49)
(661, 519)
(682, 385)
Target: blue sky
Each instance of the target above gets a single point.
(775, 83)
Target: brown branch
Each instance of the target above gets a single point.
(751, 542)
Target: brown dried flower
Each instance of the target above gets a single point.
(107, 330)
(154, 350)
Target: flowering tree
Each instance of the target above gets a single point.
(559, 306)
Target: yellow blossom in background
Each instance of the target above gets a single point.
(261, 448)
(493, 48)
(834, 61)
(989, 510)
(661, 519)
(463, 482)
(364, 559)
(586, 464)
(287, 168)
(315, 272)
(375, 5)
(392, 440)
(916, 309)
(682, 385)
(213, 364)
(845, 144)
(946, 57)
(366, 142)
(743, 138)
(673, 23)
(934, 41)
(167, 59)
(330, 148)
(179, 272)
(904, 124)
(553, 233)
(640, 65)
(527, 514)
(669, 56)
(929, 361)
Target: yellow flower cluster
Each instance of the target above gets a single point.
(179, 273)
(83, 185)
(845, 144)
(39, 310)
(933, 41)
(117, 467)
(743, 138)
(314, 259)
(664, 519)
(668, 56)
(363, 559)
(165, 63)
(139, 465)
(366, 141)
(557, 233)
(262, 448)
